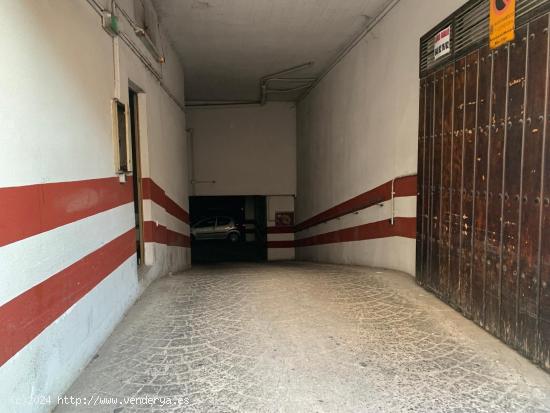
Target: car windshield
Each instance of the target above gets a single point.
(222, 221)
(209, 222)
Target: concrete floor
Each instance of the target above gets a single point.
(302, 337)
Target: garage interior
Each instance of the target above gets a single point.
(275, 205)
(248, 243)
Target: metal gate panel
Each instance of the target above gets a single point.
(543, 351)
(446, 156)
(480, 184)
(428, 153)
(435, 196)
(420, 179)
(512, 186)
(484, 177)
(468, 165)
(456, 181)
(494, 202)
(531, 185)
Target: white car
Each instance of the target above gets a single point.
(216, 228)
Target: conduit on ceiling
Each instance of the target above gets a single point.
(299, 83)
(306, 84)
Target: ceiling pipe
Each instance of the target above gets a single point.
(294, 89)
(292, 79)
(148, 65)
(150, 45)
(220, 103)
(287, 71)
(140, 32)
(370, 25)
(264, 89)
(96, 6)
(288, 90)
(277, 75)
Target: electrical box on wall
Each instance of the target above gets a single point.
(110, 23)
(121, 142)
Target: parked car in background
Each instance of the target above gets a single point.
(217, 228)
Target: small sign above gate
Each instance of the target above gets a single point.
(442, 43)
(502, 22)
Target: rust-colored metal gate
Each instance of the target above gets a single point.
(483, 227)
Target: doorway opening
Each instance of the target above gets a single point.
(228, 228)
(136, 175)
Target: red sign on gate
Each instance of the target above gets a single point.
(442, 43)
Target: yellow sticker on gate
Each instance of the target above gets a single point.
(502, 22)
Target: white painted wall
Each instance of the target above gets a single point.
(247, 150)
(55, 125)
(358, 128)
(393, 252)
(276, 204)
(283, 203)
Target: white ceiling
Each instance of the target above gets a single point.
(226, 46)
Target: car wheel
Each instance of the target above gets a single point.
(233, 237)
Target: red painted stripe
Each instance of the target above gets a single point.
(280, 230)
(150, 190)
(154, 233)
(402, 187)
(281, 244)
(27, 315)
(33, 209)
(175, 239)
(405, 186)
(403, 227)
(161, 235)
